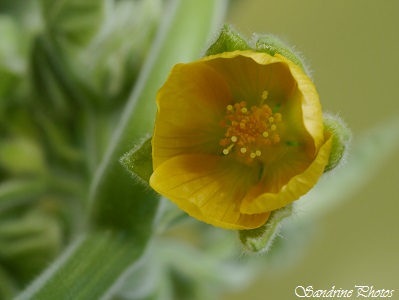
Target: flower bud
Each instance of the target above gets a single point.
(341, 137)
(260, 239)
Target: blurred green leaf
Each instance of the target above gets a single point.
(15, 190)
(58, 140)
(113, 58)
(88, 269)
(7, 286)
(74, 21)
(54, 82)
(29, 242)
(10, 45)
(21, 156)
(12, 65)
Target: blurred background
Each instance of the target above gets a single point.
(65, 74)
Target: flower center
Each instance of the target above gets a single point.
(248, 130)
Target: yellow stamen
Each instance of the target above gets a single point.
(264, 95)
(251, 129)
(227, 150)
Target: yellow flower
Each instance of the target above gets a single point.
(237, 135)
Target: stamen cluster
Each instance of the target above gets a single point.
(249, 130)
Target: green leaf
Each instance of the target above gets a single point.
(138, 161)
(89, 269)
(228, 40)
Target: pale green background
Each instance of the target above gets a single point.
(352, 47)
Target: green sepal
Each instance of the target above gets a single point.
(260, 239)
(341, 137)
(228, 40)
(138, 161)
(273, 45)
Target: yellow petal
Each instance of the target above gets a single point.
(207, 188)
(248, 74)
(289, 162)
(190, 106)
(310, 103)
(256, 201)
